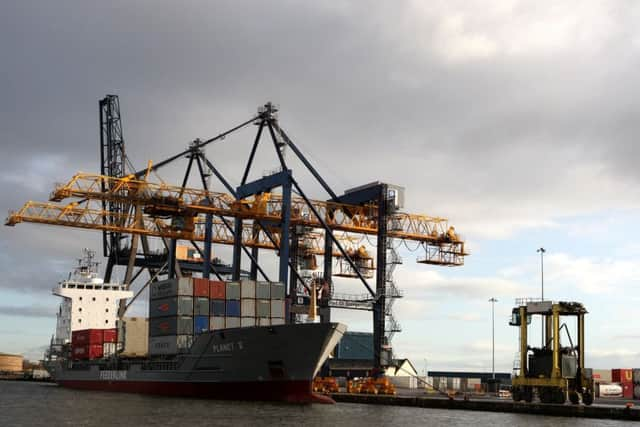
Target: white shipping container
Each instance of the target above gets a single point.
(248, 307)
(108, 349)
(277, 290)
(232, 290)
(216, 323)
(277, 308)
(232, 322)
(263, 290)
(264, 321)
(247, 321)
(247, 288)
(263, 308)
(277, 321)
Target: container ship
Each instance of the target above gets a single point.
(203, 338)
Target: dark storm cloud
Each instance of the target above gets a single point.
(479, 110)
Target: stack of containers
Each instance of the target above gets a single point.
(263, 304)
(636, 383)
(277, 308)
(171, 316)
(625, 378)
(232, 309)
(200, 306)
(89, 344)
(217, 305)
(247, 303)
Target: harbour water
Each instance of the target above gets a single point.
(38, 404)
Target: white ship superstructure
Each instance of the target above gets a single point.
(88, 302)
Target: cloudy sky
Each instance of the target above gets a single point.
(516, 120)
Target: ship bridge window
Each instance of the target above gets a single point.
(89, 286)
(80, 286)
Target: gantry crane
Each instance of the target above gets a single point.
(272, 212)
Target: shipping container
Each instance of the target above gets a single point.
(277, 290)
(133, 336)
(87, 336)
(627, 390)
(109, 349)
(263, 290)
(200, 324)
(232, 291)
(263, 308)
(636, 391)
(473, 381)
(248, 307)
(168, 345)
(636, 376)
(264, 321)
(201, 306)
(622, 375)
(247, 288)
(217, 289)
(277, 321)
(171, 306)
(95, 351)
(216, 323)
(277, 308)
(87, 352)
(218, 307)
(232, 322)
(171, 288)
(181, 325)
(201, 287)
(233, 308)
(247, 321)
(601, 375)
(110, 335)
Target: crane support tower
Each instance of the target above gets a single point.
(553, 371)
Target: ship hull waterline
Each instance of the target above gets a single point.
(276, 363)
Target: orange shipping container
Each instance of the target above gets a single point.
(201, 288)
(217, 289)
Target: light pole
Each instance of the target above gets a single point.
(493, 338)
(541, 251)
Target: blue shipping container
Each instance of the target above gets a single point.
(233, 308)
(217, 307)
(200, 324)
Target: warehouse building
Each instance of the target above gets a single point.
(11, 363)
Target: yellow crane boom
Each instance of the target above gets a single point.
(184, 206)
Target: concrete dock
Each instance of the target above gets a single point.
(490, 405)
